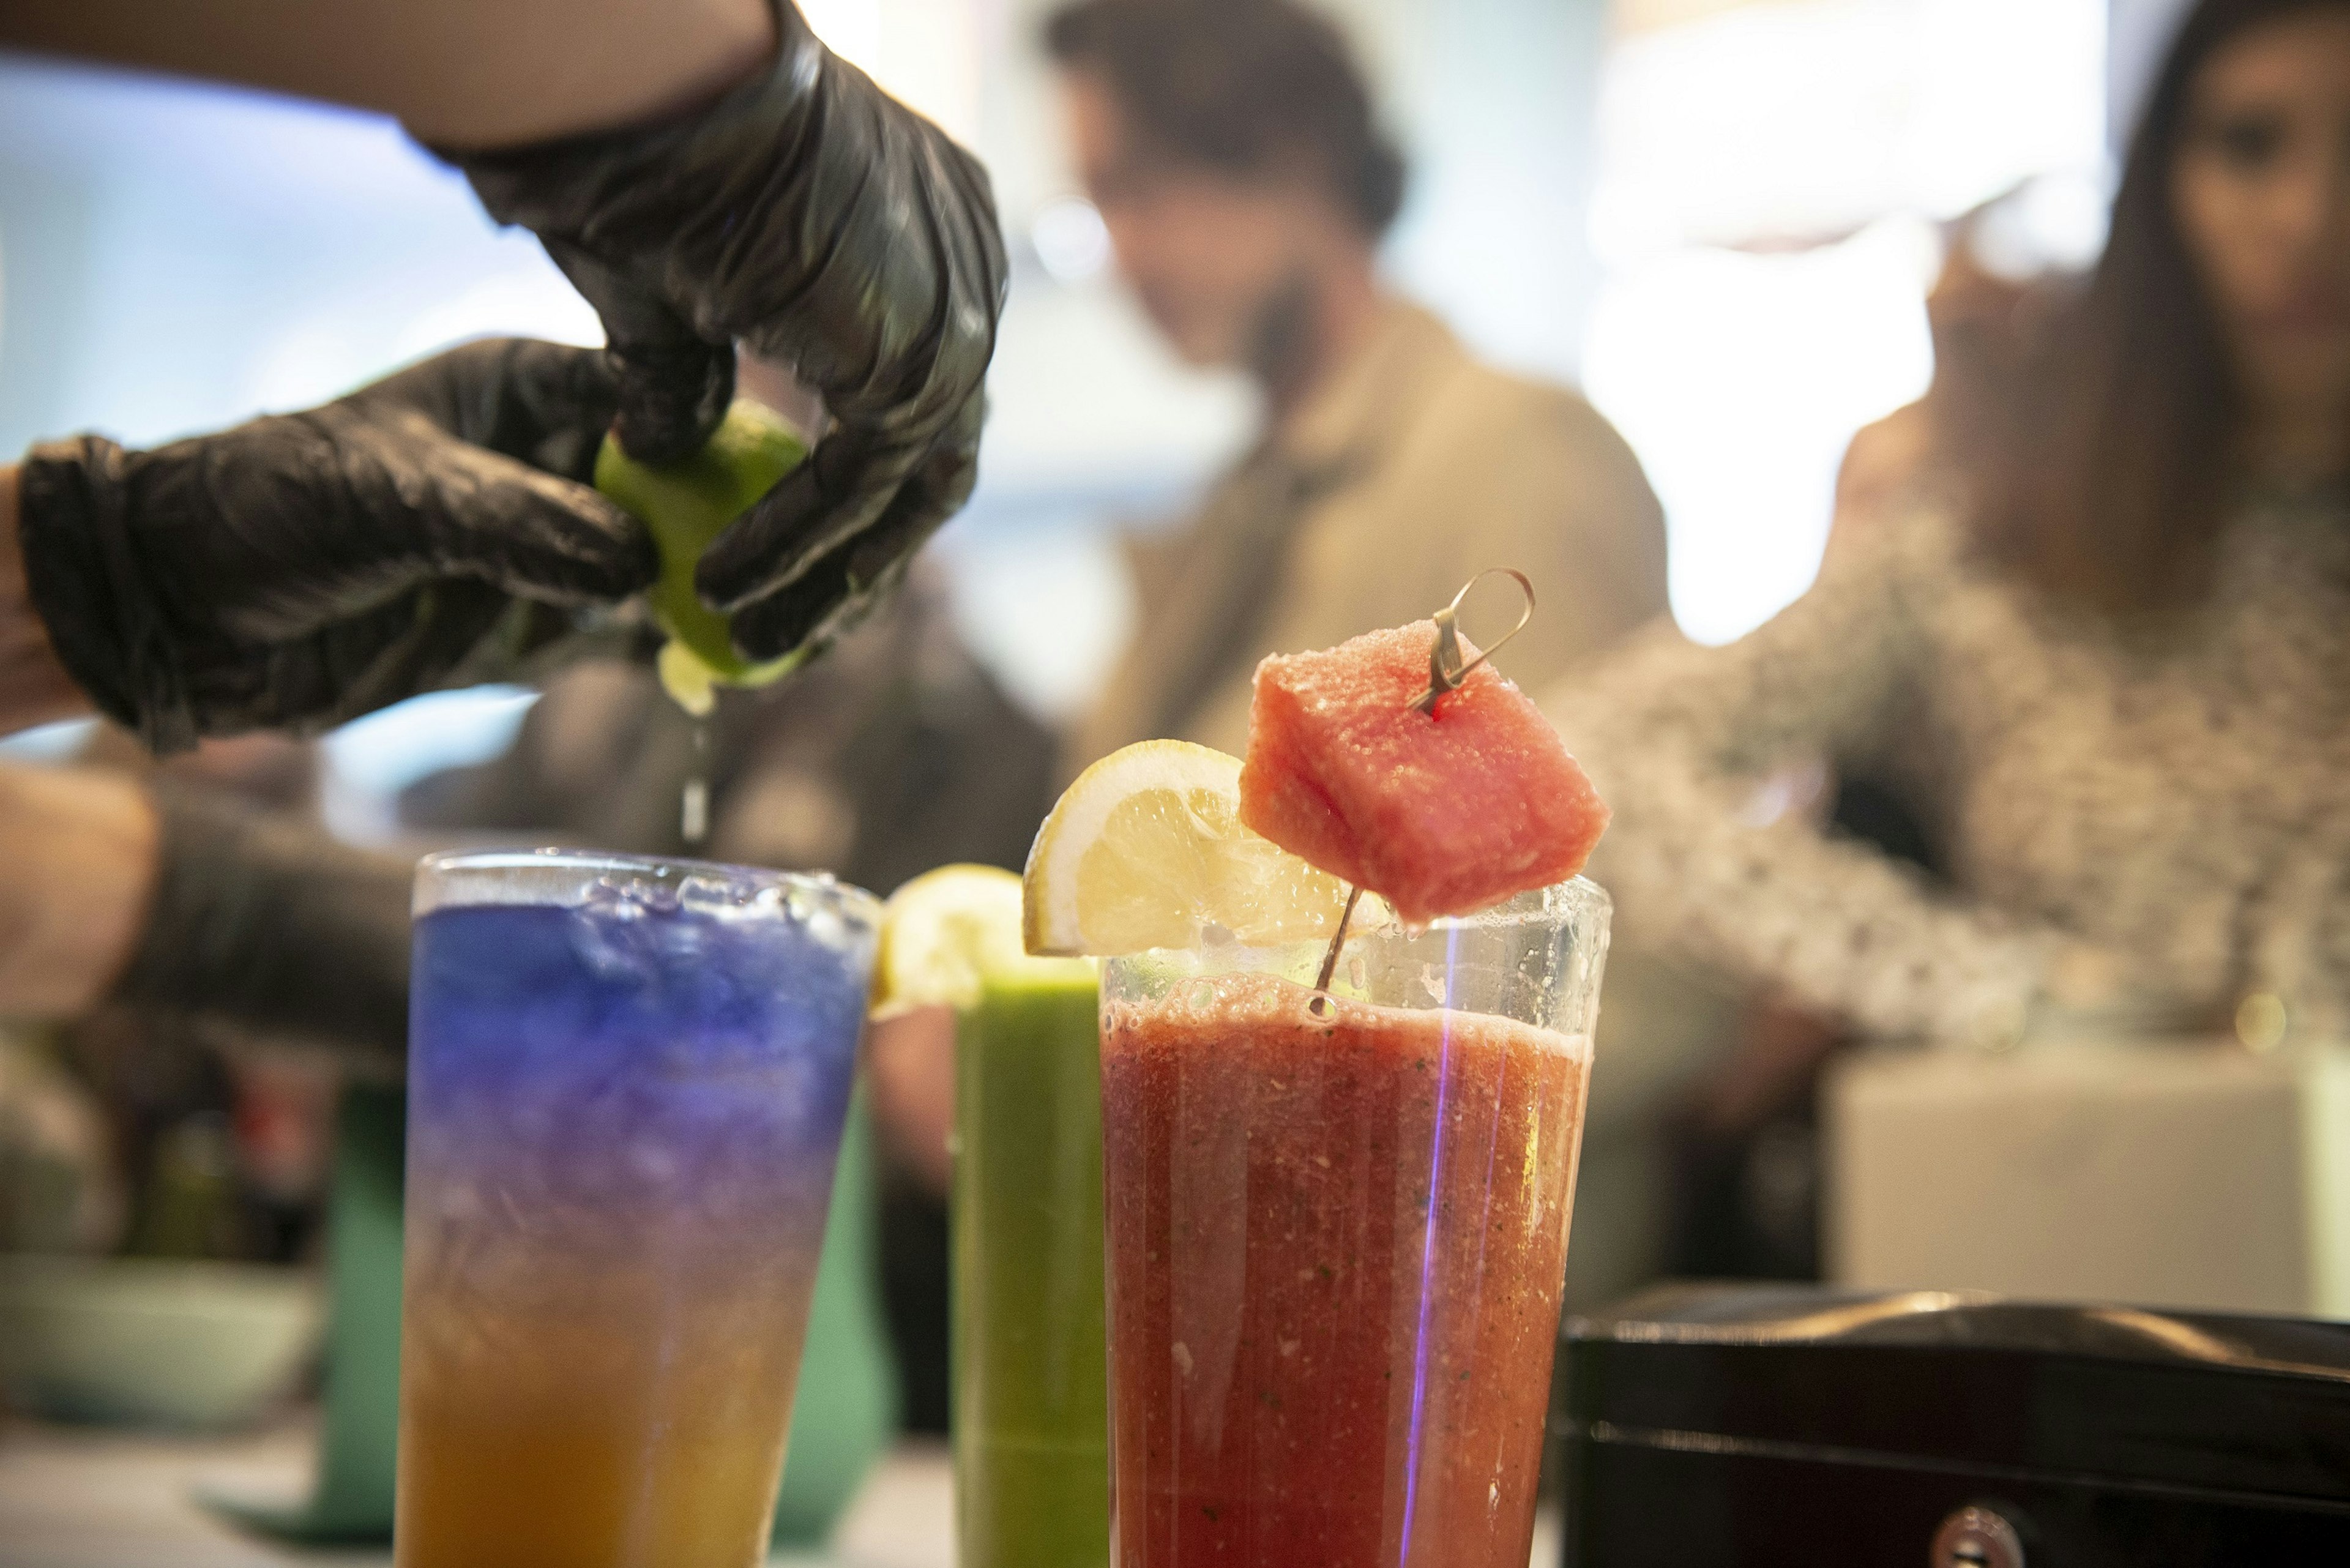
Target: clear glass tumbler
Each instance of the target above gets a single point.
(1336, 1235)
(626, 1085)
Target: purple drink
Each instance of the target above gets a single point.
(628, 1081)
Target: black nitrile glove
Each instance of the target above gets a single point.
(305, 568)
(827, 227)
(269, 924)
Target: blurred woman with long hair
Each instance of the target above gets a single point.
(2110, 670)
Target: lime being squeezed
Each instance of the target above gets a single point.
(686, 505)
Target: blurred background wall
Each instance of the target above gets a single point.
(1719, 217)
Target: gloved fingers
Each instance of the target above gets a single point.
(674, 385)
(671, 399)
(827, 599)
(560, 403)
(811, 513)
(842, 587)
(455, 632)
(546, 404)
(530, 534)
(854, 478)
(312, 682)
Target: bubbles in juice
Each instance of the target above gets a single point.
(1336, 1248)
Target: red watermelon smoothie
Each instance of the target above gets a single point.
(1337, 1236)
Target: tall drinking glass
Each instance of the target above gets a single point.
(1336, 1237)
(626, 1085)
(1031, 1421)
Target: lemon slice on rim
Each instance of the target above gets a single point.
(1147, 850)
(948, 933)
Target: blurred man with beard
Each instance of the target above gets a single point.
(1234, 156)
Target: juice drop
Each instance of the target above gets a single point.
(686, 678)
(693, 803)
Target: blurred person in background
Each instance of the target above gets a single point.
(1234, 155)
(2109, 674)
(191, 966)
(1982, 312)
(163, 890)
(1744, 1136)
(219, 1129)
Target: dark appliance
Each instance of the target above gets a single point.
(1707, 1425)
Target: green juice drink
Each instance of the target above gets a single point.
(1031, 1420)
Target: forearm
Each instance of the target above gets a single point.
(268, 923)
(78, 855)
(1680, 740)
(454, 71)
(33, 687)
(1834, 923)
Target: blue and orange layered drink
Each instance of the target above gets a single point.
(628, 1082)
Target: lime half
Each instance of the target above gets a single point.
(687, 505)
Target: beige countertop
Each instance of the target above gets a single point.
(72, 1498)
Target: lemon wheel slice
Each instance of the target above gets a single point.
(1147, 850)
(948, 933)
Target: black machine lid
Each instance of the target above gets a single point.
(2233, 1404)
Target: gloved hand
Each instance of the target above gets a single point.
(305, 568)
(267, 923)
(827, 227)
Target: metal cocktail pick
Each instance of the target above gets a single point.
(1321, 1002)
(1446, 672)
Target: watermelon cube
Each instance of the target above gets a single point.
(1440, 814)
